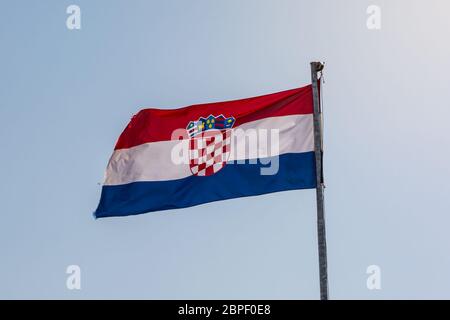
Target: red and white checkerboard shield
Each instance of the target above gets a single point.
(209, 151)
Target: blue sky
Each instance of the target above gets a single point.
(67, 95)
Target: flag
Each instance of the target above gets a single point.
(176, 158)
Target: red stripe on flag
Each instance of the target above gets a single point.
(151, 125)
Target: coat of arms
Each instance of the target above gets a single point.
(210, 143)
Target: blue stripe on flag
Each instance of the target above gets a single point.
(296, 171)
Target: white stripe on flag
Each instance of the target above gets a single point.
(152, 161)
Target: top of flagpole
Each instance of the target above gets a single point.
(318, 66)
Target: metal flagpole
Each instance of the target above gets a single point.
(316, 67)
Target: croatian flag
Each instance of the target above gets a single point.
(168, 159)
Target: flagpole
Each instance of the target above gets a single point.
(316, 67)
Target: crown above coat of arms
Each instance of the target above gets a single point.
(209, 123)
